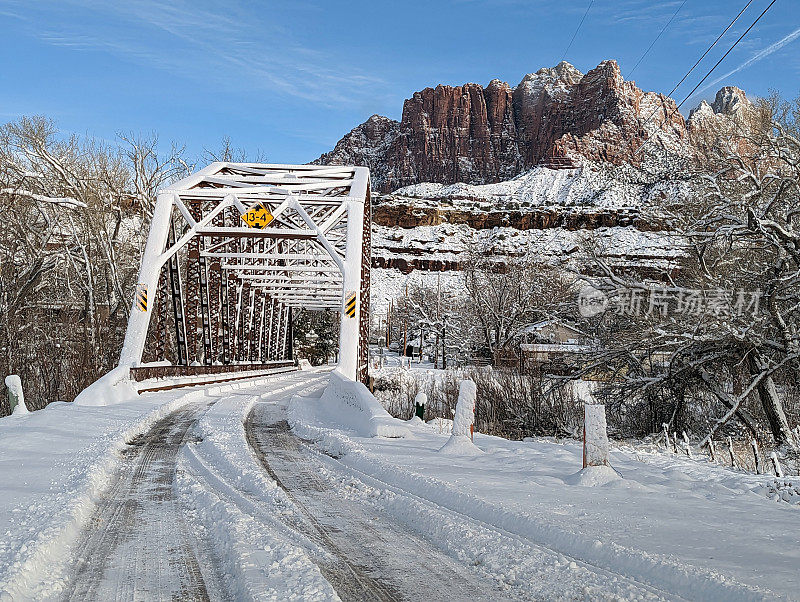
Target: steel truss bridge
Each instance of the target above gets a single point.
(234, 251)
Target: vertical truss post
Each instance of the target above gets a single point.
(238, 321)
(363, 316)
(161, 318)
(251, 324)
(259, 328)
(205, 310)
(176, 286)
(349, 329)
(273, 329)
(215, 291)
(139, 321)
(193, 291)
(284, 332)
(225, 317)
(290, 336)
(265, 328)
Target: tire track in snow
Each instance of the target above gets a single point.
(377, 558)
(137, 544)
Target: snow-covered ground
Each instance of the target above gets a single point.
(56, 464)
(684, 527)
(509, 517)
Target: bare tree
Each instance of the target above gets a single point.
(74, 216)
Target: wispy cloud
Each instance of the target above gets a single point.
(761, 54)
(223, 44)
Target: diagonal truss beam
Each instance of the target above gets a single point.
(310, 255)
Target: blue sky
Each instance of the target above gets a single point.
(288, 79)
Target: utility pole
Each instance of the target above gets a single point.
(405, 324)
(389, 325)
(438, 319)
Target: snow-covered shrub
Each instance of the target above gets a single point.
(509, 404)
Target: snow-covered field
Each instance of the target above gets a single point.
(681, 526)
(514, 517)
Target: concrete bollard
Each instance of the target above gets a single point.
(595, 436)
(465, 408)
(16, 397)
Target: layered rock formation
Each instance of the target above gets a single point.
(556, 117)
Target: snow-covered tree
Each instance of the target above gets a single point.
(74, 216)
(723, 330)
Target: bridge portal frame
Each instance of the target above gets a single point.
(314, 254)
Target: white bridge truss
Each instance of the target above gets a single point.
(241, 283)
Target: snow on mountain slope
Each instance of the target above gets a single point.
(590, 186)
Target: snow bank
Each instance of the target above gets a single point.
(61, 460)
(112, 388)
(593, 476)
(64, 458)
(347, 405)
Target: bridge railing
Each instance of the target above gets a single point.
(161, 378)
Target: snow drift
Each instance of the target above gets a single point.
(347, 405)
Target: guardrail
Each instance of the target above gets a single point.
(173, 377)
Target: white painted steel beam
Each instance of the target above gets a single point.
(311, 257)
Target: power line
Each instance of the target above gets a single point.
(707, 75)
(576, 30)
(653, 43)
(709, 49)
(710, 71)
(719, 37)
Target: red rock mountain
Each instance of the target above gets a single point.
(556, 117)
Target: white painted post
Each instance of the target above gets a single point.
(139, 321)
(730, 451)
(712, 450)
(16, 397)
(351, 282)
(595, 436)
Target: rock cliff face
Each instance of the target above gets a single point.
(555, 117)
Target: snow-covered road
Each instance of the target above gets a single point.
(367, 553)
(208, 494)
(138, 545)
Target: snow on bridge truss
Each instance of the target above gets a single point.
(239, 247)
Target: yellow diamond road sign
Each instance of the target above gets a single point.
(258, 216)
